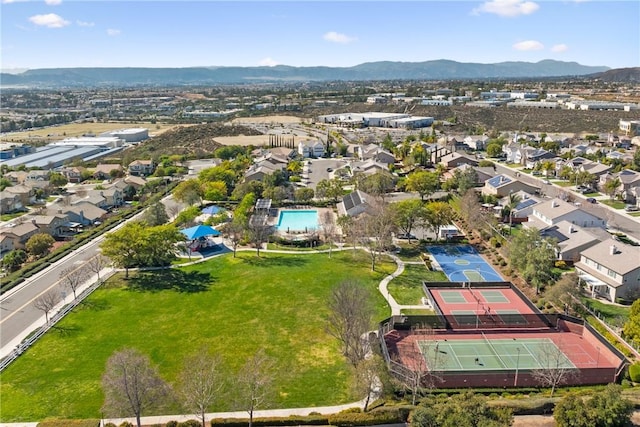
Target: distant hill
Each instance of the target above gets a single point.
(619, 75)
(385, 70)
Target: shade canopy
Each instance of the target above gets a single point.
(199, 231)
(211, 210)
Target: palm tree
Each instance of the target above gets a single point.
(610, 187)
(509, 207)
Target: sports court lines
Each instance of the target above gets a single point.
(461, 263)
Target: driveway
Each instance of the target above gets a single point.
(318, 169)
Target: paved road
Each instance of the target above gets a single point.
(616, 219)
(18, 316)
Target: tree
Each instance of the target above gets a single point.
(46, 302)
(423, 182)
(57, 180)
(374, 229)
(508, 208)
(215, 190)
(156, 214)
(187, 216)
(407, 214)
(367, 378)
(610, 187)
(234, 231)
(464, 409)
(303, 195)
(555, 369)
(254, 382)
(534, 256)
(636, 160)
(494, 149)
(189, 192)
(350, 318)
(631, 328)
(14, 259)
(328, 227)
(437, 215)
(131, 385)
(329, 189)
(39, 244)
(259, 232)
(377, 184)
(565, 291)
(606, 408)
(201, 382)
(73, 277)
(96, 263)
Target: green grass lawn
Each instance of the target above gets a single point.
(409, 252)
(10, 216)
(592, 194)
(407, 288)
(616, 204)
(613, 314)
(279, 247)
(561, 183)
(233, 306)
(634, 213)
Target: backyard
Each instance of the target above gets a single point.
(233, 306)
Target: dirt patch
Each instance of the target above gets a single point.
(267, 120)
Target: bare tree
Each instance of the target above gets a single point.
(328, 226)
(368, 380)
(350, 318)
(96, 263)
(424, 361)
(555, 369)
(375, 230)
(47, 301)
(254, 383)
(73, 277)
(132, 385)
(201, 381)
(259, 231)
(234, 231)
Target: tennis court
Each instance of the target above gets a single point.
(462, 263)
(493, 354)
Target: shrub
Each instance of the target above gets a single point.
(351, 411)
(110, 425)
(634, 372)
(561, 264)
(172, 423)
(70, 423)
(126, 424)
(364, 419)
(189, 423)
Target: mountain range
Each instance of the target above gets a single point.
(383, 70)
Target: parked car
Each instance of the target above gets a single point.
(406, 236)
(631, 208)
(591, 200)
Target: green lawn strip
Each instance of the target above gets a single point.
(406, 289)
(409, 252)
(634, 213)
(612, 314)
(616, 204)
(562, 183)
(417, 312)
(278, 247)
(232, 306)
(10, 216)
(592, 194)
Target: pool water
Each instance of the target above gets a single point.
(304, 220)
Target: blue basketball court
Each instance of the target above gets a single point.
(462, 263)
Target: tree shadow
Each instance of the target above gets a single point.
(171, 279)
(66, 331)
(95, 305)
(267, 261)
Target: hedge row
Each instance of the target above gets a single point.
(530, 406)
(292, 420)
(69, 423)
(634, 372)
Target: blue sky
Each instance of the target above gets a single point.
(151, 33)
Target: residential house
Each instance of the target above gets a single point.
(19, 234)
(513, 152)
(284, 152)
(26, 194)
(610, 269)
(16, 177)
(573, 239)
(524, 206)
(38, 175)
(73, 174)
(311, 148)
(258, 171)
(103, 171)
(629, 179)
(9, 202)
(476, 142)
(533, 156)
(136, 182)
(83, 213)
(52, 225)
(113, 197)
(503, 185)
(456, 159)
(141, 167)
(354, 204)
(374, 152)
(7, 243)
(595, 168)
(368, 167)
(554, 211)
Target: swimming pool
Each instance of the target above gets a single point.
(303, 220)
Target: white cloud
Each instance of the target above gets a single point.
(53, 2)
(528, 45)
(334, 37)
(113, 32)
(268, 62)
(50, 20)
(85, 24)
(507, 8)
(559, 48)
(12, 1)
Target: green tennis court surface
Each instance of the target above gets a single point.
(453, 297)
(493, 295)
(496, 354)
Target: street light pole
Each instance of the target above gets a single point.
(515, 380)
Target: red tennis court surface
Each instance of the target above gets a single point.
(488, 313)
